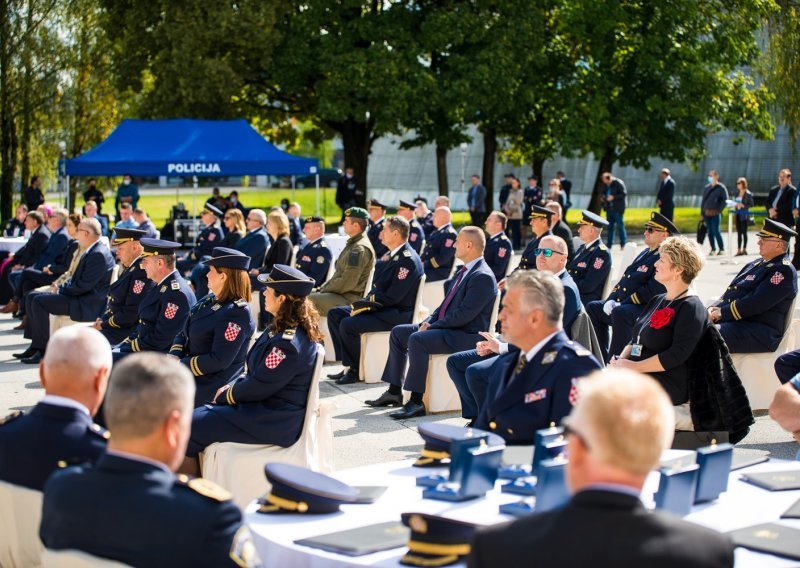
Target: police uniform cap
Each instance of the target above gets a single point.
(593, 219)
(435, 540)
(159, 247)
(375, 203)
(539, 211)
(296, 489)
(287, 280)
(774, 230)
(405, 205)
(357, 213)
(125, 235)
(215, 210)
(315, 219)
(223, 257)
(661, 223)
(437, 438)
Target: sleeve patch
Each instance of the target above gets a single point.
(171, 310)
(274, 358)
(777, 278)
(232, 331)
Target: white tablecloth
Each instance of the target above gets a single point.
(12, 244)
(742, 505)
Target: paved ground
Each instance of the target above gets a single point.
(365, 435)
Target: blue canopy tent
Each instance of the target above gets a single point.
(188, 147)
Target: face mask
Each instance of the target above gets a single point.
(126, 182)
(710, 179)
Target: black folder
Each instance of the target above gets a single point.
(770, 538)
(774, 480)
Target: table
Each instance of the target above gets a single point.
(274, 535)
(336, 243)
(12, 244)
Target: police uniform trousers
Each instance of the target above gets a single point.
(346, 330)
(470, 373)
(42, 305)
(407, 343)
(620, 323)
(210, 426)
(787, 366)
(325, 301)
(749, 337)
(115, 335)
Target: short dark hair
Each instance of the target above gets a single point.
(36, 216)
(398, 224)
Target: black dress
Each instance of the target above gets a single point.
(673, 339)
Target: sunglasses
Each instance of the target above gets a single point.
(652, 230)
(546, 252)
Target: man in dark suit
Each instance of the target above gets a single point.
(666, 194)
(476, 201)
(560, 229)
(59, 429)
(592, 262)
(33, 196)
(390, 302)
(454, 326)
(24, 257)
(614, 195)
(145, 224)
(781, 199)
(256, 241)
(82, 298)
(296, 234)
(131, 498)
(621, 423)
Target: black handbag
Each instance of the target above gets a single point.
(702, 231)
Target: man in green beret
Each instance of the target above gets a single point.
(352, 268)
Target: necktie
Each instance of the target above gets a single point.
(451, 294)
(523, 360)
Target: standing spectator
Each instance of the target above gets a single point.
(506, 189)
(714, 196)
(33, 195)
(566, 187)
(128, 192)
(614, 193)
(666, 194)
(744, 201)
(554, 193)
(126, 220)
(533, 195)
(346, 191)
(91, 213)
(781, 199)
(560, 229)
(514, 208)
(218, 201)
(476, 200)
(16, 226)
(145, 224)
(94, 194)
(233, 199)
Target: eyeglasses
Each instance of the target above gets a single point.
(547, 252)
(652, 230)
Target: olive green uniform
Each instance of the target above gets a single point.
(348, 283)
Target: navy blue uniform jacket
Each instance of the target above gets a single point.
(394, 291)
(31, 446)
(269, 402)
(214, 343)
(162, 314)
(314, 260)
(589, 269)
(439, 253)
(374, 233)
(638, 284)
(543, 392)
(124, 297)
(498, 254)
(416, 236)
(254, 244)
(141, 515)
(55, 246)
(210, 237)
(32, 250)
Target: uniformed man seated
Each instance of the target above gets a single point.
(454, 326)
(621, 424)
(129, 506)
(416, 235)
(315, 258)
(352, 267)
(59, 430)
(634, 290)
(390, 302)
(424, 216)
(377, 212)
(751, 315)
(559, 228)
(126, 293)
(210, 237)
(592, 262)
(439, 253)
(534, 384)
(498, 246)
(165, 309)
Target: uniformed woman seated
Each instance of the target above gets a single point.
(215, 339)
(670, 327)
(267, 405)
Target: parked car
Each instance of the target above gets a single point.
(328, 177)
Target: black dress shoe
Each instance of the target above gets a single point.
(25, 354)
(410, 410)
(387, 399)
(34, 359)
(470, 424)
(349, 378)
(337, 376)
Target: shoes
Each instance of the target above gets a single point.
(10, 307)
(23, 324)
(25, 354)
(721, 253)
(386, 399)
(34, 359)
(339, 375)
(349, 378)
(470, 424)
(410, 410)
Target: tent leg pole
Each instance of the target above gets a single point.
(317, 176)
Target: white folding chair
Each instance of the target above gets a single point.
(433, 292)
(330, 352)
(20, 516)
(76, 559)
(240, 467)
(375, 345)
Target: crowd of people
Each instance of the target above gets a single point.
(176, 334)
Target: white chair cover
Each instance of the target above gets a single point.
(20, 516)
(76, 559)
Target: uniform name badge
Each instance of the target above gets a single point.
(636, 350)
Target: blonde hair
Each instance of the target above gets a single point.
(238, 221)
(684, 253)
(280, 221)
(626, 418)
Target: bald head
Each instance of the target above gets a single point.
(76, 365)
(557, 260)
(470, 244)
(441, 217)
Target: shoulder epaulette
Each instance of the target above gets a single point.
(579, 349)
(11, 417)
(603, 247)
(406, 253)
(288, 335)
(240, 303)
(100, 431)
(176, 285)
(204, 487)
(323, 243)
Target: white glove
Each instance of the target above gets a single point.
(609, 306)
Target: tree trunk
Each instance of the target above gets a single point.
(489, 155)
(441, 170)
(537, 166)
(27, 108)
(606, 163)
(357, 141)
(8, 133)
